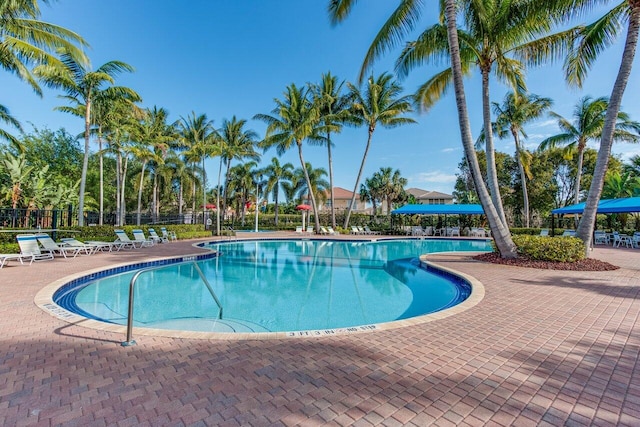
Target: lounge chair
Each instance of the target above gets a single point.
(354, 230)
(310, 230)
(635, 239)
(89, 247)
(331, 231)
(156, 238)
(4, 258)
(51, 246)
(544, 232)
(454, 231)
(138, 236)
(298, 229)
(29, 248)
(101, 246)
(370, 231)
(361, 229)
(569, 233)
(126, 241)
(169, 235)
(323, 230)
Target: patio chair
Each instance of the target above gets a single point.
(635, 239)
(51, 246)
(4, 258)
(169, 235)
(544, 232)
(331, 231)
(89, 247)
(124, 239)
(569, 233)
(455, 231)
(138, 236)
(29, 248)
(299, 229)
(310, 230)
(600, 237)
(370, 231)
(156, 238)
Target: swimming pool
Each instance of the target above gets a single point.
(276, 286)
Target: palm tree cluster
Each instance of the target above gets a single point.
(504, 37)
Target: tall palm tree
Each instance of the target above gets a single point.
(379, 104)
(294, 120)
(81, 85)
(500, 232)
(511, 116)
(587, 124)
(242, 184)
(26, 41)
(319, 185)
(277, 175)
(594, 39)
(334, 109)
(200, 136)
(236, 143)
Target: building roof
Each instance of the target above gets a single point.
(341, 193)
(421, 194)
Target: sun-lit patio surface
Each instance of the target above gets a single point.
(543, 348)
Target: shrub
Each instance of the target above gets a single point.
(560, 249)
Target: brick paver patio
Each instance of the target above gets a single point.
(543, 348)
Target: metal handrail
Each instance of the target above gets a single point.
(130, 341)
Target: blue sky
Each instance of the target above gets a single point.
(226, 58)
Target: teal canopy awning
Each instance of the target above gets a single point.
(605, 206)
(439, 209)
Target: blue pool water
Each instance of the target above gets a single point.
(281, 286)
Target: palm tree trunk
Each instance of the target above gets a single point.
(180, 198)
(118, 185)
(123, 203)
(218, 199)
(355, 188)
(587, 224)
(101, 213)
(144, 164)
(501, 235)
(579, 173)
(85, 162)
(311, 195)
(492, 173)
(523, 179)
(333, 211)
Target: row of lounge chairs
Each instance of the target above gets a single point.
(356, 229)
(39, 247)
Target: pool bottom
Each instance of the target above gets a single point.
(44, 299)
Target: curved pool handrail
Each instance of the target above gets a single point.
(129, 340)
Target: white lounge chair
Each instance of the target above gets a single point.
(156, 238)
(138, 236)
(544, 232)
(4, 258)
(354, 230)
(298, 229)
(454, 231)
(370, 231)
(331, 231)
(89, 247)
(323, 230)
(29, 248)
(124, 239)
(169, 235)
(51, 246)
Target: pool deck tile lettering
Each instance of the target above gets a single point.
(541, 347)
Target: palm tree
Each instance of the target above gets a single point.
(81, 85)
(243, 183)
(319, 185)
(620, 185)
(594, 39)
(334, 110)
(295, 119)
(236, 143)
(6, 117)
(511, 116)
(588, 121)
(200, 136)
(18, 172)
(277, 175)
(500, 232)
(379, 104)
(26, 41)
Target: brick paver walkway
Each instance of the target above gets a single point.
(543, 348)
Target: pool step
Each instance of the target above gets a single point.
(208, 325)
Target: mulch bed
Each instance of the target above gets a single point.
(587, 264)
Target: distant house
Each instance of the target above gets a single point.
(424, 197)
(342, 199)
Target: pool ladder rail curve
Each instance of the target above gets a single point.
(129, 340)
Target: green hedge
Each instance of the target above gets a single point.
(561, 249)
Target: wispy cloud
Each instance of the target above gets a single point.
(449, 150)
(436, 177)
